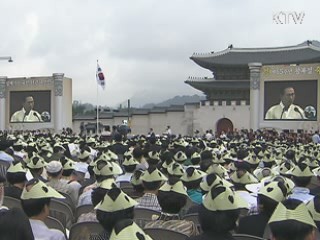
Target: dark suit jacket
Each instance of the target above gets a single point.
(253, 225)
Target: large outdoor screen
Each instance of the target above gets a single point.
(291, 100)
(30, 106)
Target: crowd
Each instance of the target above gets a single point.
(262, 183)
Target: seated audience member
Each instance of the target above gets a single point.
(292, 221)
(314, 208)
(82, 166)
(268, 198)
(128, 229)
(54, 172)
(16, 176)
(35, 201)
(15, 225)
(97, 196)
(191, 180)
(301, 176)
(153, 158)
(219, 213)
(36, 166)
(175, 170)
(115, 206)
(137, 154)
(152, 180)
(103, 169)
(129, 165)
(172, 196)
(240, 178)
(136, 183)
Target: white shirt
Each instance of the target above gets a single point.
(5, 157)
(42, 232)
(278, 112)
(21, 116)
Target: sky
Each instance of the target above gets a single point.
(143, 46)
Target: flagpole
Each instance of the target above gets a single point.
(97, 106)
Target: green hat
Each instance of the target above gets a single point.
(152, 175)
(181, 142)
(247, 178)
(115, 200)
(274, 191)
(192, 174)
(221, 198)
(262, 173)
(128, 230)
(175, 169)
(300, 214)
(16, 167)
(36, 162)
(180, 157)
(212, 180)
(112, 155)
(195, 155)
(312, 209)
(130, 161)
(300, 171)
(177, 187)
(36, 189)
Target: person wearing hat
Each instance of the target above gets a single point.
(314, 208)
(268, 198)
(152, 180)
(114, 207)
(35, 201)
(54, 172)
(191, 180)
(58, 152)
(128, 229)
(16, 177)
(219, 213)
(301, 176)
(291, 220)
(81, 167)
(129, 165)
(36, 166)
(172, 197)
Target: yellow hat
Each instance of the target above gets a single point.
(212, 180)
(177, 187)
(16, 167)
(136, 178)
(192, 174)
(274, 191)
(217, 169)
(127, 229)
(130, 161)
(152, 175)
(36, 189)
(83, 154)
(300, 214)
(247, 178)
(107, 184)
(175, 169)
(68, 164)
(222, 198)
(154, 155)
(115, 200)
(301, 171)
(107, 168)
(36, 162)
(180, 157)
(195, 155)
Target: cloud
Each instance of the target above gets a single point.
(143, 46)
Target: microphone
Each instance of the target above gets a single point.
(36, 115)
(296, 109)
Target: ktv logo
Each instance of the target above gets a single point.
(283, 17)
